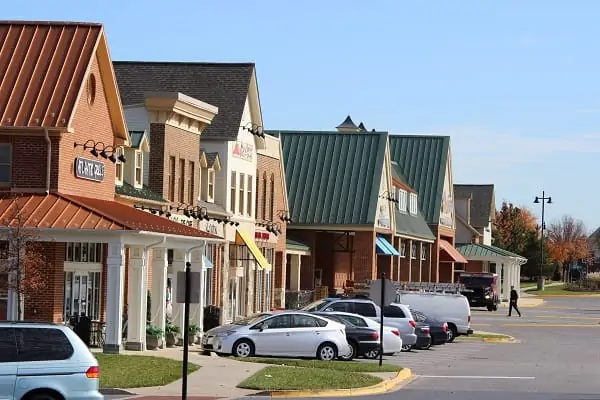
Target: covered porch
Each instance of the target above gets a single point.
(132, 245)
(484, 258)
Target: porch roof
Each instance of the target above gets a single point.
(66, 212)
(295, 245)
(482, 252)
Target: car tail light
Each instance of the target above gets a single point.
(425, 330)
(375, 336)
(412, 323)
(93, 372)
(396, 332)
(445, 327)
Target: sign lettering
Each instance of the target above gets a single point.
(91, 170)
(181, 219)
(242, 150)
(212, 229)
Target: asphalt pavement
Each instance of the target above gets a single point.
(556, 357)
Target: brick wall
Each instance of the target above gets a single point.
(47, 305)
(169, 141)
(474, 266)
(363, 258)
(268, 169)
(90, 122)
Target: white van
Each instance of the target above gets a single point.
(453, 309)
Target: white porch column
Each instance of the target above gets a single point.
(509, 278)
(115, 276)
(519, 280)
(516, 276)
(196, 310)
(295, 266)
(159, 288)
(501, 282)
(180, 257)
(137, 294)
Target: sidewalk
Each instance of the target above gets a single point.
(217, 377)
(526, 300)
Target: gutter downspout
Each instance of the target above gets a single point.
(48, 159)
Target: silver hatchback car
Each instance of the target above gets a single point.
(40, 361)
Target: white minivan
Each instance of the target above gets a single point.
(453, 309)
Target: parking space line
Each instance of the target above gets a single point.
(476, 377)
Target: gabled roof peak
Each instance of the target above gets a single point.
(347, 126)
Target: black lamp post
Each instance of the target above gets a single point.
(542, 199)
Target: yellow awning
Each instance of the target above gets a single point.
(242, 237)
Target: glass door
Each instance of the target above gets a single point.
(82, 295)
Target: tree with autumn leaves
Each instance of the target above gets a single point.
(568, 244)
(515, 230)
(22, 260)
(565, 243)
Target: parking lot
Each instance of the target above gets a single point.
(556, 357)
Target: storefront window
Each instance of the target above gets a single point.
(82, 294)
(84, 252)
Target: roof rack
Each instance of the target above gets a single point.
(433, 287)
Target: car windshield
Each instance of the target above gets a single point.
(316, 306)
(476, 281)
(251, 319)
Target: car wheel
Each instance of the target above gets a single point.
(243, 348)
(451, 333)
(372, 354)
(43, 396)
(406, 347)
(327, 352)
(352, 354)
(426, 347)
(490, 308)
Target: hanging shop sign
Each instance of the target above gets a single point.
(91, 170)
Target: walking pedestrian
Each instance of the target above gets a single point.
(514, 298)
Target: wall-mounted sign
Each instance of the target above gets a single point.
(383, 216)
(91, 170)
(182, 219)
(243, 150)
(212, 229)
(447, 207)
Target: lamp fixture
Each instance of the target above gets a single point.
(274, 228)
(284, 216)
(156, 211)
(100, 149)
(389, 196)
(254, 129)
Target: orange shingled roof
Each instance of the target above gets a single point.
(60, 211)
(42, 68)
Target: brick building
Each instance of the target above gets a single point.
(63, 140)
(425, 162)
(272, 217)
(242, 270)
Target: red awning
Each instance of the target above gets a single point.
(451, 253)
(61, 211)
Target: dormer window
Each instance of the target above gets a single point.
(413, 203)
(139, 163)
(402, 200)
(119, 166)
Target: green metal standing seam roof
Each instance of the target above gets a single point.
(332, 178)
(412, 225)
(475, 250)
(422, 160)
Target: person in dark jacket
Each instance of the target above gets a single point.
(514, 298)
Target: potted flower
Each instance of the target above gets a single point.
(171, 332)
(154, 337)
(193, 331)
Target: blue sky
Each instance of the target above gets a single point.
(514, 83)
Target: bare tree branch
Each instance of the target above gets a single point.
(23, 264)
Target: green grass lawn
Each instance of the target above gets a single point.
(528, 284)
(560, 290)
(347, 366)
(127, 371)
(293, 378)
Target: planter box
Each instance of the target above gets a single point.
(170, 339)
(153, 342)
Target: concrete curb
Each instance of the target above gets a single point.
(508, 339)
(403, 376)
(536, 303)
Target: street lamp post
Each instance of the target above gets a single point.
(542, 199)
